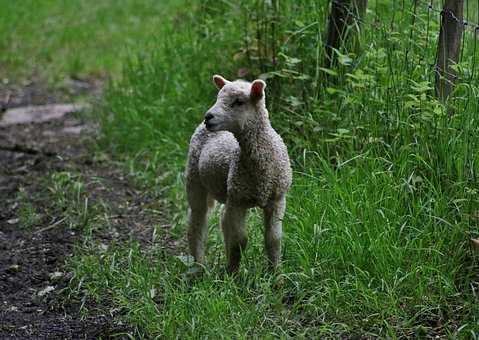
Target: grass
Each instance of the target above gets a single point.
(385, 192)
(27, 213)
(384, 200)
(54, 39)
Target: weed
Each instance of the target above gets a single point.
(27, 214)
(69, 198)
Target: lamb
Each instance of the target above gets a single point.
(236, 158)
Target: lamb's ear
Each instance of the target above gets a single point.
(219, 81)
(257, 89)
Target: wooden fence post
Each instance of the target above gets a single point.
(343, 14)
(449, 47)
(360, 7)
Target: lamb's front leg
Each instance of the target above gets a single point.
(198, 221)
(233, 223)
(273, 220)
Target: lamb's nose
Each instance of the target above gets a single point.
(208, 117)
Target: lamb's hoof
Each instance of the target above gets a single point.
(278, 282)
(232, 270)
(274, 266)
(194, 273)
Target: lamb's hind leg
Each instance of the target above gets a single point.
(198, 201)
(234, 232)
(273, 220)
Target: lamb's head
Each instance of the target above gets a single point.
(238, 103)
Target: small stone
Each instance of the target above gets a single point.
(187, 260)
(39, 113)
(13, 221)
(46, 290)
(14, 268)
(55, 276)
(74, 130)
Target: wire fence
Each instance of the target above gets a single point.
(275, 40)
(469, 26)
(438, 10)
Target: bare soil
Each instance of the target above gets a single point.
(34, 303)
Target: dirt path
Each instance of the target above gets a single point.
(34, 239)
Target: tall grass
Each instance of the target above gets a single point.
(384, 199)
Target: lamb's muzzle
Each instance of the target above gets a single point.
(237, 158)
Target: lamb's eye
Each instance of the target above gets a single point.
(237, 102)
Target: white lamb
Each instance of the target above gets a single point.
(237, 158)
